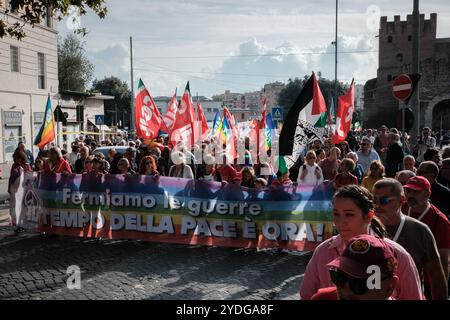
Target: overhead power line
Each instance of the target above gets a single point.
(256, 55)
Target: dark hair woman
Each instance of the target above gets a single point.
(147, 166)
(353, 215)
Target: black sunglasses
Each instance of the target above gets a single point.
(357, 285)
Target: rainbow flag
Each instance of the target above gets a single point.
(270, 125)
(216, 124)
(47, 132)
(224, 131)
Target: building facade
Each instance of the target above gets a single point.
(28, 75)
(395, 57)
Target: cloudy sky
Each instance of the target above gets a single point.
(175, 41)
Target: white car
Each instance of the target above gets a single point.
(105, 150)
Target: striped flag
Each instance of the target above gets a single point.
(302, 122)
(47, 132)
(270, 125)
(216, 124)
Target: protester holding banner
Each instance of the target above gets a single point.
(147, 166)
(180, 169)
(248, 177)
(79, 164)
(56, 162)
(353, 215)
(19, 166)
(124, 167)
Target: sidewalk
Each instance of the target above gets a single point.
(4, 190)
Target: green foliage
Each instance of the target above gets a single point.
(75, 71)
(118, 109)
(33, 12)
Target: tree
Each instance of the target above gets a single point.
(117, 110)
(289, 94)
(33, 12)
(75, 70)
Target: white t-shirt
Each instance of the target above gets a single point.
(311, 178)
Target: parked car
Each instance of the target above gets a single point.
(105, 150)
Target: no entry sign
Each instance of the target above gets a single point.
(402, 87)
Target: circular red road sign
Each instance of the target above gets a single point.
(402, 87)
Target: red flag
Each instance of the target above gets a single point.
(169, 118)
(147, 117)
(204, 130)
(344, 115)
(231, 146)
(183, 128)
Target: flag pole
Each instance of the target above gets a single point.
(336, 55)
(132, 122)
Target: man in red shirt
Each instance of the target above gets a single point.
(418, 192)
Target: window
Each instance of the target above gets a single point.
(409, 38)
(12, 7)
(14, 53)
(41, 70)
(390, 39)
(389, 77)
(399, 57)
(208, 109)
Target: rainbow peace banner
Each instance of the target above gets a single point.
(175, 210)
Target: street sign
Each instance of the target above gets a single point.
(402, 87)
(99, 119)
(408, 118)
(277, 114)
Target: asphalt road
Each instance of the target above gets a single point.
(34, 266)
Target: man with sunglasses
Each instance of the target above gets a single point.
(366, 154)
(415, 236)
(354, 272)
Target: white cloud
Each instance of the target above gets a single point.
(168, 28)
(111, 61)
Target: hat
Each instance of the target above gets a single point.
(418, 183)
(237, 177)
(363, 251)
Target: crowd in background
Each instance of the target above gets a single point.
(376, 169)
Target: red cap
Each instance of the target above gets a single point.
(237, 177)
(364, 251)
(418, 183)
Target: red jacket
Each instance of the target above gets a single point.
(62, 166)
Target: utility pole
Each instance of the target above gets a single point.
(336, 58)
(132, 124)
(415, 101)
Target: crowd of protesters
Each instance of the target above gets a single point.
(384, 188)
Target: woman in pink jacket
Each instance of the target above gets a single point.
(353, 215)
